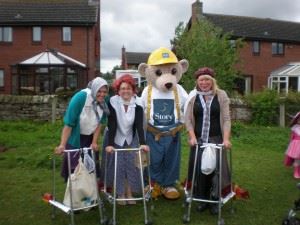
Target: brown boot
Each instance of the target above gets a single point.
(156, 191)
(170, 193)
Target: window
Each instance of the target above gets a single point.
(279, 83)
(5, 34)
(36, 34)
(293, 83)
(42, 70)
(1, 78)
(232, 43)
(72, 81)
(67, 35)
(243, 85)
(277, 48)
(256, 47)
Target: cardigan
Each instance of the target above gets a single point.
(72, 115)
(224, 102)
(137, 125)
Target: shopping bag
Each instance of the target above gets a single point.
(208, 161)
(88, 162)
(84, 189)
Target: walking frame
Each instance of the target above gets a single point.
(293, 214)
(70, 210)
(146, 192)
(221, 200)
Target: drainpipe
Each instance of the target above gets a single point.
(87, 54)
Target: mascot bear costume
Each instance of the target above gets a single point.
(163, 101)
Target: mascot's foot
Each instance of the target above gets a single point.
(170, 193)
(156, 191)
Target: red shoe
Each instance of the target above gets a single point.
(101, 187)
(288, 161)
(186, 184)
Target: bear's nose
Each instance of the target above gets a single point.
(168, 85)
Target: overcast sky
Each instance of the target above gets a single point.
(143, 25)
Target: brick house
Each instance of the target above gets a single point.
(48, 45)
(131, 60)
(269, 44)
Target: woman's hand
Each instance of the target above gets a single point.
(192, 138)
(59, 149)
(193, 141)
(145, 148)
(95, 147)
(109, 149)
(227, 144)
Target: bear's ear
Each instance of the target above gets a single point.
(184, 64)
(142, 69)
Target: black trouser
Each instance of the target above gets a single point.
(205, 186)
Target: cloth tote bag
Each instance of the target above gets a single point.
(84, 188)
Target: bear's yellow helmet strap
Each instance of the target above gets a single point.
(149, 102)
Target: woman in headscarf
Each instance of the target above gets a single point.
(86, 112)
(207, 120)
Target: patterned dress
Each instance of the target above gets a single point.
(125, 130)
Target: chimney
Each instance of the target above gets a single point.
(124, 60)
(197, 11)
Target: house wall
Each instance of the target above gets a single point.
(82, 48)
(260, 66)
(132, 67)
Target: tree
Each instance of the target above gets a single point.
(116, 67)
(110, 76)
(207, 45)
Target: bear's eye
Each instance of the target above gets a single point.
(173, 71)
(158, 72)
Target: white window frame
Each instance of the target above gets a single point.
(36, 34)
(232, 43)
(67, 34)
(248, 84)
(276, 81)
(1, 78)
(255, 47)
(6, 34)
(277, 48)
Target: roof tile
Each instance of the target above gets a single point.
(19, 12)
(257, 28)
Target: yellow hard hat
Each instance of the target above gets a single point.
(162, 56)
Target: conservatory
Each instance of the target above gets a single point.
(47, 73)
(285, 78)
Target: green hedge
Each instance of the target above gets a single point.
(265, 106)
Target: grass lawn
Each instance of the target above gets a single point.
(258, 152)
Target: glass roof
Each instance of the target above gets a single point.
(49, 58)
(291, 69)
